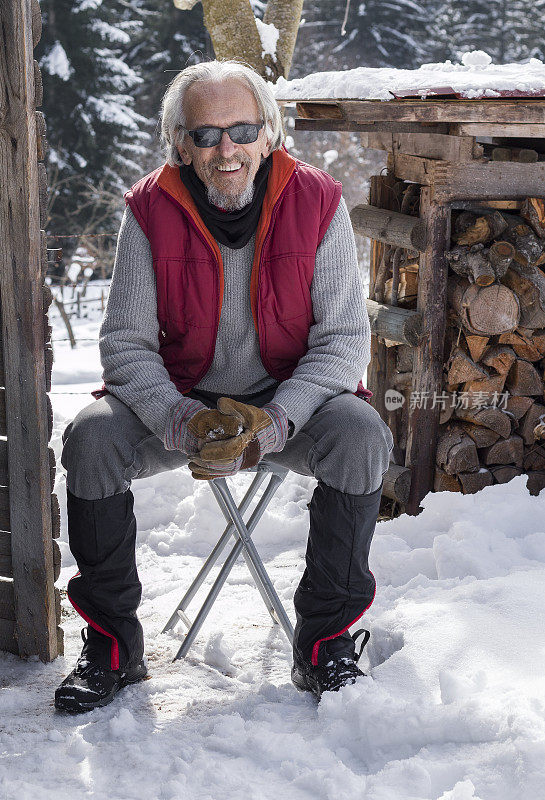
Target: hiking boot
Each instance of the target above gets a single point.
(329, 677)
(91, 684)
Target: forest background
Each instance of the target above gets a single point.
(107, 63)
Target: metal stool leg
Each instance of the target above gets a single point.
(259, 572)
(228, 565)
(179, 612)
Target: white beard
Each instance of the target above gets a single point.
(227, 202)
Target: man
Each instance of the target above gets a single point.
(236, 328)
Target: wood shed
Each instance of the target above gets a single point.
(457, 284)
(29, 511)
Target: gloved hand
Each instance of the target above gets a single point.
(191, 424)
(265, 430)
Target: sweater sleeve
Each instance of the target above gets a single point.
(339, 339)
(133, 370)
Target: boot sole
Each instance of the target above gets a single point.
(74, 706)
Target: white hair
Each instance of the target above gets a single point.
(172, 113)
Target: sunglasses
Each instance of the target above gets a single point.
(243, 133)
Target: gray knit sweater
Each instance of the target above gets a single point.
(338, 342)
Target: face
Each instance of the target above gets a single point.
(223, 104)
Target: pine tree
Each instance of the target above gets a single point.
(167, 41)
(94, 133)
(508, 30)
(378, 33)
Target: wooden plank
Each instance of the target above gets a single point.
(493, 180)
(2, 373)
(414, 168)
(531, 111)
(304, 124)
(490, 181)
(319, 110)
(7, 600)
(428, 356)
(512, 130)
(8, 641)
(429, 145)
(36, 22)
(5, 524)
(3, 463)
(23, 341)
(2, 411)
(381, 195)
(5, 555)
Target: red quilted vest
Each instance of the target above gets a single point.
(299, 204)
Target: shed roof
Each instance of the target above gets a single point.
(475, 78)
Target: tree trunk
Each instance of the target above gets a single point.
(233, 30)
(285, 15)
(234, 33)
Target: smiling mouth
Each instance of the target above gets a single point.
(229, 170)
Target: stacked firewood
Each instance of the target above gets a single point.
(493, 405)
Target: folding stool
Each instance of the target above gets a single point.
(241, 531)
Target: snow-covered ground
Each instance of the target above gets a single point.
(454, 707)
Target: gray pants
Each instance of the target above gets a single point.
(345, 444)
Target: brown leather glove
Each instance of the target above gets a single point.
(265, 430)
(210, 425)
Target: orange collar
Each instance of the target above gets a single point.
(282, 169)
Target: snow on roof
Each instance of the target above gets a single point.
(476, 77)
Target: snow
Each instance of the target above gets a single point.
(56, 62)
(453, 708)
(329, 157)
(268, 34)
(475, 77)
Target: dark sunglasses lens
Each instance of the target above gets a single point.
(243, 134)
(207, 137)
(240, 134)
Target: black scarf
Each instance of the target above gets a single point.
(233, 228)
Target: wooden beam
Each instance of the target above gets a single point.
(303, 124)
(8, 641)
(4, 478)
(398, 325)
(428, 356)
(413, 168)
(7, 600)
(509, 130)
(381, 192)
(2, 411)
(429, 145)
(492, 180)
(319, 110)
(494, 111)
(23, 341)
(391, 227)
(5, 524)
(5, 555)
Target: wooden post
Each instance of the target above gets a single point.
(428, 355)
(29, 496)
(380, 195)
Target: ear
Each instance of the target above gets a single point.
(183, 150)
(266, 132)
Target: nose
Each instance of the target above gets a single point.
(226, 147)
